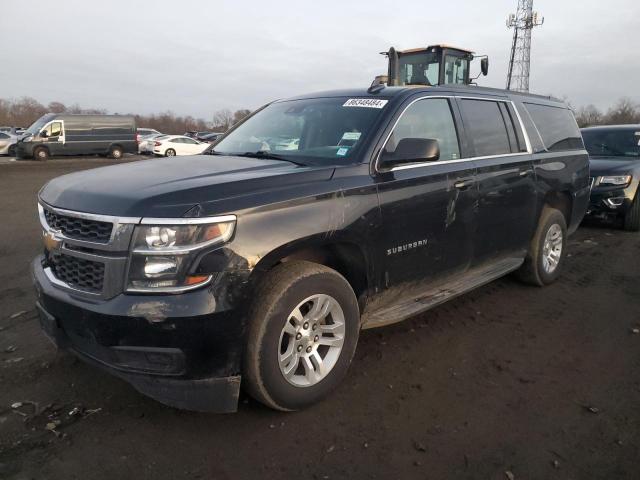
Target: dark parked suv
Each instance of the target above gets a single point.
(262, 260)
(614, 152)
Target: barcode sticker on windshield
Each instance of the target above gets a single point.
(365, 103)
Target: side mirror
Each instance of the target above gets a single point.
(484, 66)
(44, 134)
(412, 150)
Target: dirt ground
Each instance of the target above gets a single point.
(508, 381)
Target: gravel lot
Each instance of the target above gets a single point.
(508, 381)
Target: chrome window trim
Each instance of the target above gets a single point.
(461, 160)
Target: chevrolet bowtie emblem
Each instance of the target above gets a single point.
(50, 241)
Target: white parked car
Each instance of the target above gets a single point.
(147, 143)
(172, 145)
(8, 144)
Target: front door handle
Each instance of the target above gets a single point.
(461, 184)
(524, 173)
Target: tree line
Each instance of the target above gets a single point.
(22, 112)
(624, 111)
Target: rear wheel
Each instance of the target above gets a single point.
(632, 217)
(41, 153)
(303, 330)
(170, 153)
(547, 249)
(116, 152)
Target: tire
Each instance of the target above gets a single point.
(295, 287)
(12, 151)
(632, 217)
(116, 152)
(41, 154)
(170, 152)
(538, 269)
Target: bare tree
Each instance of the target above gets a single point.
(240, 115)
(56, 107)
(624, 112)
(588, 116)
(223, 119)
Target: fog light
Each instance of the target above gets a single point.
(614, 202)
(156, 267)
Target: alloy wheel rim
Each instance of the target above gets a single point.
(552, 248)
(311, 340)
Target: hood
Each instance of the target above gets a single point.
(613, 165)
(168, 187)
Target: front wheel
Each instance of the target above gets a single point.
(170, 153)
(116, 153)
(41, 153)
(12, 151)
(547, 250)
(303, 330)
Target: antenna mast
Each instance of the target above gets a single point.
(522, 23)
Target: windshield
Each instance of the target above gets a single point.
(319, 130)
(38, 124)
(612, 143)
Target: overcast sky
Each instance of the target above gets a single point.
(194, 57)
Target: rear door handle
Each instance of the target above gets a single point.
(524, 173)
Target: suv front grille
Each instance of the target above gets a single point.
(79, 228)
(77, 272)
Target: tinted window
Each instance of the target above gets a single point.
(177, 140)
(486, 126)
(612, 143)
(557, 127)
(189, 140)
(428, 118)
(4, 136)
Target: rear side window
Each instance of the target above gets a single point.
(557, 127)
(487, 127)
(4, 136)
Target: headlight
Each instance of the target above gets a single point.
(163, 251)
(619, 180)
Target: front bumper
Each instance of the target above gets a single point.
(610, 201)
(24, 150)
(178, 349)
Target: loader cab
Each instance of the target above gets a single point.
(434, 65)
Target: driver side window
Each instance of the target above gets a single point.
(53, 129)
(428, 119)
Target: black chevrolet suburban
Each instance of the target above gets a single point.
(259, 262)
(75, 134)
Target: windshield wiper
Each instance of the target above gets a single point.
(269, 156)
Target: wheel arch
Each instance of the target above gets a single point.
(346, 257)
(562, 201)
